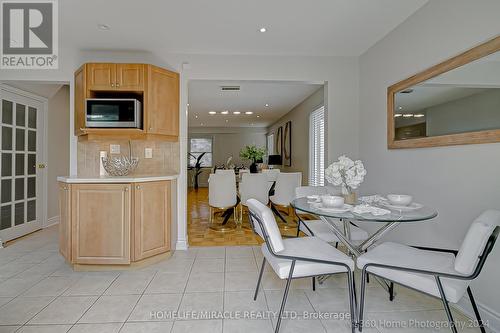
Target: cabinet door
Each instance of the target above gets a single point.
(80, 92)
(101, 223)
(152, 219)
(162, 109)
(65, 221)
(130, 77)
(101, 76)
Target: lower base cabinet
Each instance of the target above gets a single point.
(114, 224)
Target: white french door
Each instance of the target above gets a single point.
(21, 164)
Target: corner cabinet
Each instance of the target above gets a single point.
(156, 88)
(114, 224)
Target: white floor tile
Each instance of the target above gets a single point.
(130, 283)
(64, 310)
(8, 329)
(241, 281)
(4, 300)
(297, 301)
(96, 328)
(164, 283)
(51, 286)
(147, 327)
(208, 265)
(239, 252)
(205, 282)
(246, 264)
(299, 325)
(158, 303)
(14, 286)
(329, 300)
(247, 325)
(13, 268)
(243, 301)
(200, 302)
(109, 309)
(198, 326)
(175, 265)
(211, 252)
(21, 309)
(44, 329)
(90, 285)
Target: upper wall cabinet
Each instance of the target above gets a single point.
(156, 88)
(456, 102)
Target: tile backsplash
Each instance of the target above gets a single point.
(165, 156)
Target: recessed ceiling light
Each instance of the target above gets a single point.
(225, 112)
(187, 104)
(263, 29)
(103, 27)
(251, 124)
(400, 108)
(267, 105)
(202, 124)
(248, 112)
(196, 116)
(227, 120)
(408, 115)
(419, 115)
(398, 115)
(212, 112)
(236, 112)
(258, 116)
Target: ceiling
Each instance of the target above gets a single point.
(46, 90)
(294, 27)
(281, 97)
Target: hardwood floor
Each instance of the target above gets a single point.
(199, 233)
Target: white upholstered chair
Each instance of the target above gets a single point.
(445, 274)
(284, 192)
(272, 174)
(319, 228)
(225, 171)
(294, 258)
(253, 186)
(222, 196)
(241, 172)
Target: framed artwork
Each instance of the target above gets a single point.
(279, 141)
(287, 144)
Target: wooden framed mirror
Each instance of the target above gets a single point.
(456, 102)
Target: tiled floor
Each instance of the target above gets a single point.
(40, 293)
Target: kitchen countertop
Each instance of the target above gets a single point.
(112, 179)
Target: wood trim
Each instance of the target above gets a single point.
(464, 58)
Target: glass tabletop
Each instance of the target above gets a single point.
(421, 214)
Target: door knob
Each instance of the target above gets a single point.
(41, 166)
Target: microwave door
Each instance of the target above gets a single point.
(111, 113)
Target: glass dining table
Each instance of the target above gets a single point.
(388, 221)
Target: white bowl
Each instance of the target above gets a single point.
(332, 201)
(399, 199)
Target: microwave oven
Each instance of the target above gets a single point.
(113, 112)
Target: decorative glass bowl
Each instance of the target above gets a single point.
(120, 165)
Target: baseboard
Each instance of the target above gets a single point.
(488, 315)
(52, 221)
(181, 245)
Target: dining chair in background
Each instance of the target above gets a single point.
(445, 274)
(253, 186)
(222, 196)
(284, 193)
(295, 258)
(320, 228)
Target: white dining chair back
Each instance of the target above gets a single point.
(475, 241)
(225, 171)
(284, 191)
(222, 190)
(266, 216)
(254, 186)
(272, 174)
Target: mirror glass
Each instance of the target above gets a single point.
(465, 99)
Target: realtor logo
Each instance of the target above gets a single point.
(29, 34)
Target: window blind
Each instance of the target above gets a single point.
(317, 147)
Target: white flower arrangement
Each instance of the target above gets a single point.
(346, 173)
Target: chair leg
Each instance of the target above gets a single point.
(298, 227)
(260, 278)
(336, 245)
(314, 283)
(285, 295)
(446, 305)
(391, 292)
(352, 296)
(367, 278)
(362, 299)
(277, 212)
(476, 311)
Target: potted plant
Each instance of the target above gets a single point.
(254, 154)
(346, 173)
(196, 168)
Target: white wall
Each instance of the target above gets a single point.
(57, 147)
(459, 181)
(299, 116)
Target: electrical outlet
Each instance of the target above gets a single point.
(114, 149)
(148, 153)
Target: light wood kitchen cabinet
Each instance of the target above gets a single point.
(114, 223)
(80, 95)
(162, 102)
(129, 77)
(64, 220)
(101, 223)
(152, 215)
(101, 76)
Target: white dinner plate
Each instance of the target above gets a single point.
(410, 207)
(343, 209)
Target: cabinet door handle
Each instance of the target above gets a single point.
(151, 128)
(117, 84)
(126, 189)
(138, 187)
(112, 84)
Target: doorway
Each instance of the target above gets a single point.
(22, 160)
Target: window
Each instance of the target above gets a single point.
(198, 146)
(317, 147)
(270, 144)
